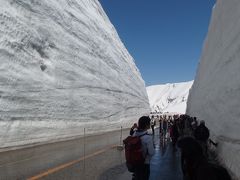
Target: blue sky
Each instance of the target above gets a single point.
(165, 37)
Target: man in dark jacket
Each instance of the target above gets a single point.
(195, 165)
(201, 134)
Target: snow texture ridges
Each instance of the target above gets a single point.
(215, 94)
(171, 97)
(63, 67)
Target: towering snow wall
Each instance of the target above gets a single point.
(215, 95)
(171, 97)
(62, 68)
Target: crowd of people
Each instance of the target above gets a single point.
(188, 134)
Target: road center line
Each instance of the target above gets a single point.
(63, 166)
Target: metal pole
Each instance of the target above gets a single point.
(120, 146)
(121, 137)
(84, 150)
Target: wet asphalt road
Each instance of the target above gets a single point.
(165, 164)
(29, 162)
(107, 164)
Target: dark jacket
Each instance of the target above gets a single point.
(201, 133)
(210, 171)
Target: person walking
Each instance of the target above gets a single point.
(165, 126)
(160, 127)
(201, 134)
(175, 134)
(142, 171)
(153, 123)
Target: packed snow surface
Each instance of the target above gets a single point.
(215, 95)
(169, 97)
(63, 67)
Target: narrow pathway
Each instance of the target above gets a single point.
(165, 164)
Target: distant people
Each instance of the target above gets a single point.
(164, 117)
(153, 123)
(194, 125)
(161, 117)
(201, 134)
(142, 172)
(165, 126)
(181, 125)
(174, 134)
(133, 129)
(195, 165)
(160, 127)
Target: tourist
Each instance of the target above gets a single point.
(142, 172)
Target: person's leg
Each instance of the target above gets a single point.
(138, 173)
(133, 176)
(152, 129)
(146, 172)
(142, 172)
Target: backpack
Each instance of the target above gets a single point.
(133, 152)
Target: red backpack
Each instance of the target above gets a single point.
(133, 152)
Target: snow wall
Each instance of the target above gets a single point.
(215, 95)
(63, 67)
(171, 97)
